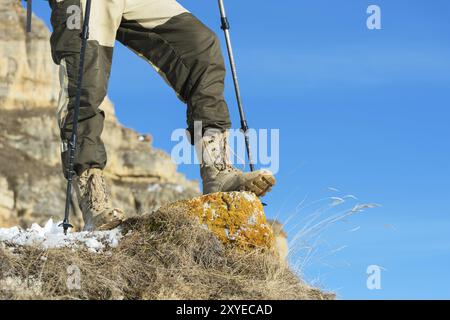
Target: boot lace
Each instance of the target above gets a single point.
(221, 156)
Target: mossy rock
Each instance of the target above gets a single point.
(236, 218)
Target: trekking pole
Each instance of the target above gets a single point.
(29, 14)
(73, 140)
(244, 126)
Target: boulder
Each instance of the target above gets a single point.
(236, 218)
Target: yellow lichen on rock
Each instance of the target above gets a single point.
(236, 218)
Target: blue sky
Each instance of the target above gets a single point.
(363, 111)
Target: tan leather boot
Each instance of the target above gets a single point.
(95, 203)
(218, 173)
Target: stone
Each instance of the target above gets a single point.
(236, 218)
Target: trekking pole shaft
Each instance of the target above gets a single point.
(249, 152)
(244, 126)
(76, 114)
(29, 14)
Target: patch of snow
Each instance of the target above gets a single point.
(154, 187)
(230, 236)
(52, 236)
(178, 188)
(214, 214)
(249, 196)
(252, 219)
(206, 208)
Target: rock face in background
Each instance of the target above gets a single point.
(28, 78)
(31, 184)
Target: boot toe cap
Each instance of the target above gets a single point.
(259, 182)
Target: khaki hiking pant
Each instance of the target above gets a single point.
(183, 50)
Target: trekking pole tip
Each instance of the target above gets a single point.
(66, 226)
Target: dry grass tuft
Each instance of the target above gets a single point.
(164, 255)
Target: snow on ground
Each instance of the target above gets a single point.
(51, 236)
(156, 187)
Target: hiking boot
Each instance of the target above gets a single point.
(94, 201)
(218, 173)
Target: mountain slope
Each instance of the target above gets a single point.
(167, 254)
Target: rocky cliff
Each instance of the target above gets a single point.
(142, 178)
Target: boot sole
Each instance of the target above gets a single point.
(261, 185)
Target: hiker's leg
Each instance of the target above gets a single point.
(184, 51)
(188, 55)
(90, 155)
(66, 44)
